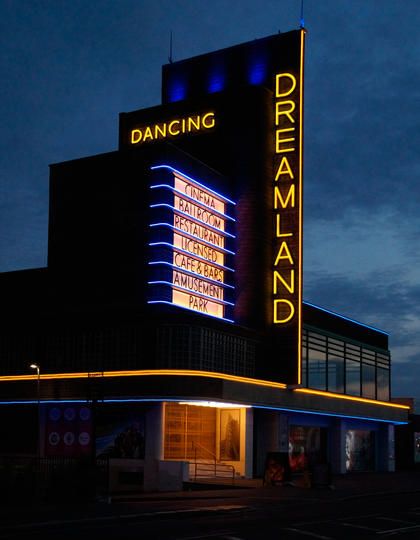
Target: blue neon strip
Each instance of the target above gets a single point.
(190, 254)
(346, 318)
(192, 218)
(189, 309)
(44, 401)
(193, 201)
(194, 256)
(163, 224)
(162, 399)
(193, 180)
(183, 270)
(334, 415)
(193, 274)
(212, 246)
(189, 291)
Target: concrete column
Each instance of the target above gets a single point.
(337, 446)
(271, 435)
(154, 448)
(249, 439)
(385, 448)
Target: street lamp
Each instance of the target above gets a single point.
(36, 366)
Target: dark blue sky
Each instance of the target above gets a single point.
(68, 68)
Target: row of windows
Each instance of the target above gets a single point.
(348, 368)
(172, 346)
(72, 350)
(190, 347)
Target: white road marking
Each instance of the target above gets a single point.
(346, 524)
(308, 533)
(399, 529)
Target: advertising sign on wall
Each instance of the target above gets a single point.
(68, 430)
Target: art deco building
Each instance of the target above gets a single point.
(169, 324)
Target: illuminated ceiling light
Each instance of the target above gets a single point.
(215, 404)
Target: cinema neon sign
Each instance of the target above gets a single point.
(191, 245)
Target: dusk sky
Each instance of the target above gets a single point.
(67, 68)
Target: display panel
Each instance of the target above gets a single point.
(360, 450)
(191, 244)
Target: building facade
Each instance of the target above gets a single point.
(169, 324)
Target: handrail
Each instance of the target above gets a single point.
(196, 445)
(210, 470)
(210, 466)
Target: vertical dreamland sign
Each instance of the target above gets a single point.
(191, 244)
(286, 208)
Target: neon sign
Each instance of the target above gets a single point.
(173, 128)
(191, 237)
(287, 202)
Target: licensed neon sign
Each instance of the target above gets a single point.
(193, 239)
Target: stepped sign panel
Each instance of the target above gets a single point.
(191, 244)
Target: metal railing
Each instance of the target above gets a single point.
(210, 468)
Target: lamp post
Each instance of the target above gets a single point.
(36, 366)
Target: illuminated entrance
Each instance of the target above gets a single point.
(190, 432)
(205, 433)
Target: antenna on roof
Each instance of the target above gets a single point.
(302, 18)
(170, 49)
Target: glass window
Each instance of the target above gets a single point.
(352, 377)
(382, 384)
(317, 361)
(335, 373)
(304, 367)
(368, 381)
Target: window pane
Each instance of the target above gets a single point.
(368, 381)
(304, 367)
(383, 384)
(317, 369)
(335, 374)
(352, 377)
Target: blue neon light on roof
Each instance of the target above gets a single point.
(177, 91)
(216, 83)
(257, 72)
(190, 309)
(346, 318)
(193, 180)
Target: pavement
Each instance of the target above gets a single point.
(209, 498)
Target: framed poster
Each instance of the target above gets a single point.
(230, 434)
